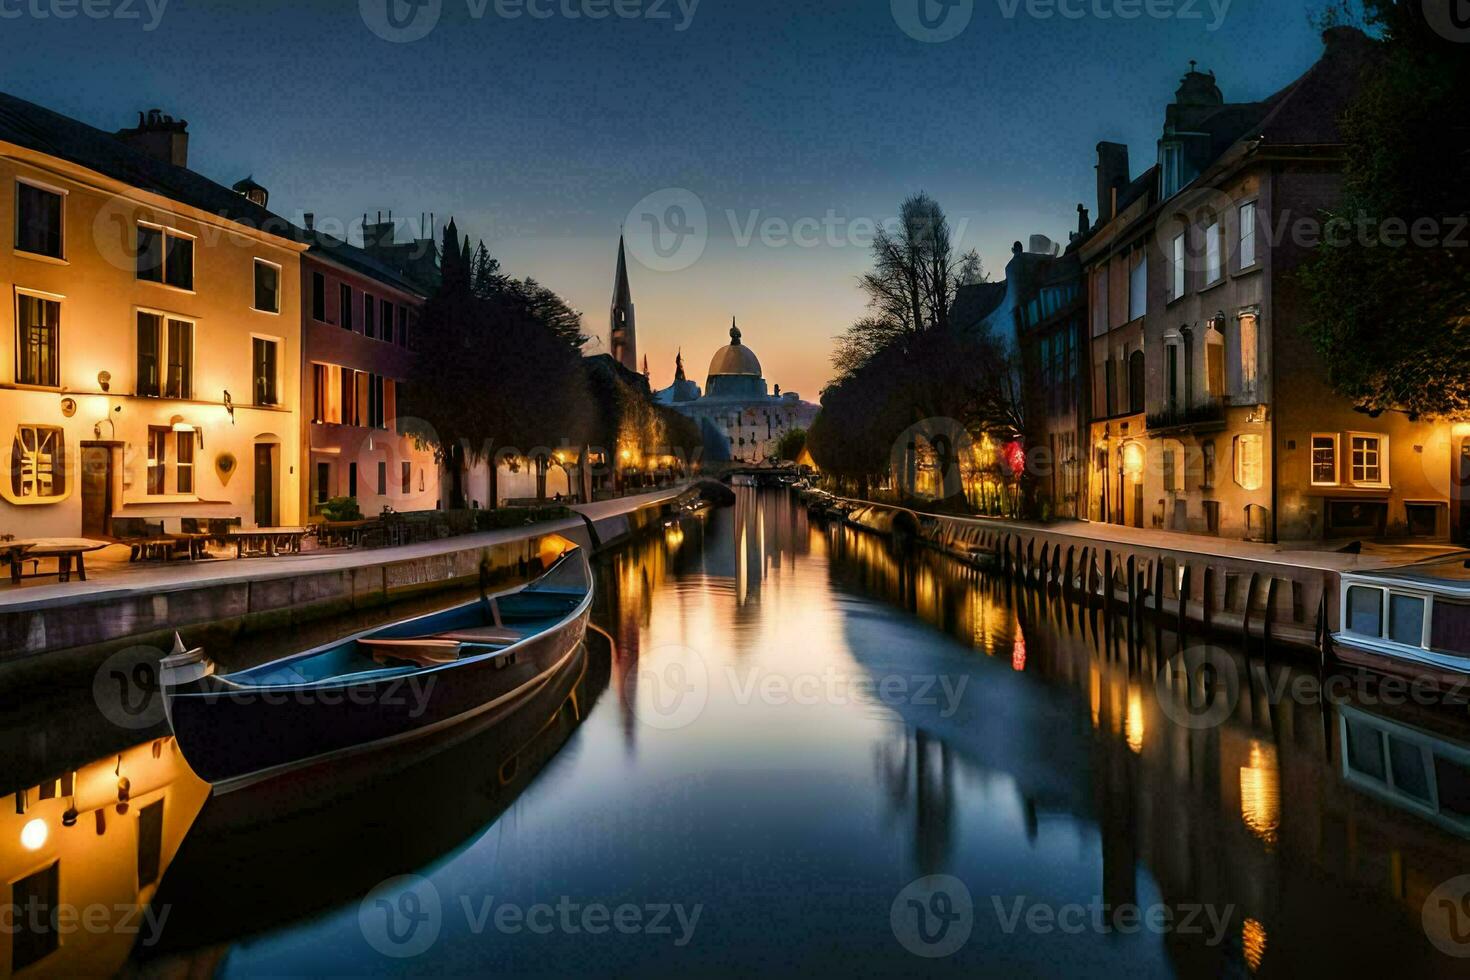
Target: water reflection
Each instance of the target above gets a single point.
(1045, 763)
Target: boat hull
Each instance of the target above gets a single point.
(234, 738)
(234, 732)
(1445, 680)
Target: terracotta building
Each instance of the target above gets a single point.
(358, 322)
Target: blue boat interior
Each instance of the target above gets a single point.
(536, 609)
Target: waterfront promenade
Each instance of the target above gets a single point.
(144, 602)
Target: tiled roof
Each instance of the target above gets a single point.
(36, 128)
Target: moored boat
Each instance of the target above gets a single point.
(388, 685)
(1412, 621)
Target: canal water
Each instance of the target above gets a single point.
(792, 751)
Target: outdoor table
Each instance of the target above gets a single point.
(332, 533)
(64, 550)
(270, 541)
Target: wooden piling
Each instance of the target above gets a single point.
(1182, 626)
(1250, 601)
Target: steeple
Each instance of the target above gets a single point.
(679, 365)
(734, 333)
(623, 339)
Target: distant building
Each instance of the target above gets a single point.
(623, 335)
(740, 419)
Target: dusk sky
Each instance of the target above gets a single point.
(543, 135)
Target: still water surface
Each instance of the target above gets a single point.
(791, 727)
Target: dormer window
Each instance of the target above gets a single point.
(1171, 169)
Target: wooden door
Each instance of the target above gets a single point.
(265, 485)
(96, 491)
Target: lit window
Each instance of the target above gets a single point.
(267, 287)
(165, 356)
(184, 469)
(38, 341)
(1370, 467)
(157, 458)
(1324, 460)
(264, 359)
(38, 464)
(1249, 352)
(1249, 461)
(1214, 363)
(1213, 239)
(1247, 235)
(165, 256)
(38, 220)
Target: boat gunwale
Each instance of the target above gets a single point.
(344, 681)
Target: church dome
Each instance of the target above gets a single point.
(735, 359)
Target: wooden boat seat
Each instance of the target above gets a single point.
(439, 649)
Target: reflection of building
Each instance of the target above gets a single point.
(357, 333)
(152, 369)
(92, 844)
(739, 418)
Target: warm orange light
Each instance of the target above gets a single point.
(33, 835)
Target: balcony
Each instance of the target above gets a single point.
(1206, 416)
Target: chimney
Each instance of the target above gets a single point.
(310, 219)
(1083, 221)
(1112, 177)
(159, 136)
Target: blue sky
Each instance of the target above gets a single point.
(784, 119)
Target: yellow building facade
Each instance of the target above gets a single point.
(150, 357)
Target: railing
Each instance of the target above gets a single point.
(1207, 414)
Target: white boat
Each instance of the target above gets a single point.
(1412, 621)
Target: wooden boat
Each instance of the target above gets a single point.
(388, 685)
(1412, 621)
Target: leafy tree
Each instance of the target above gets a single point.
(491, 378)
(1392, 323)
(792, 444)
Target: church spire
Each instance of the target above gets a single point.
(679, 365)
(623, 338)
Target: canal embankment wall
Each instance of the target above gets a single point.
(147, 605)
(1258, 592)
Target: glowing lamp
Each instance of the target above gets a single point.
(33, 835)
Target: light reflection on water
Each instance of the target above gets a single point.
(738, 753)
